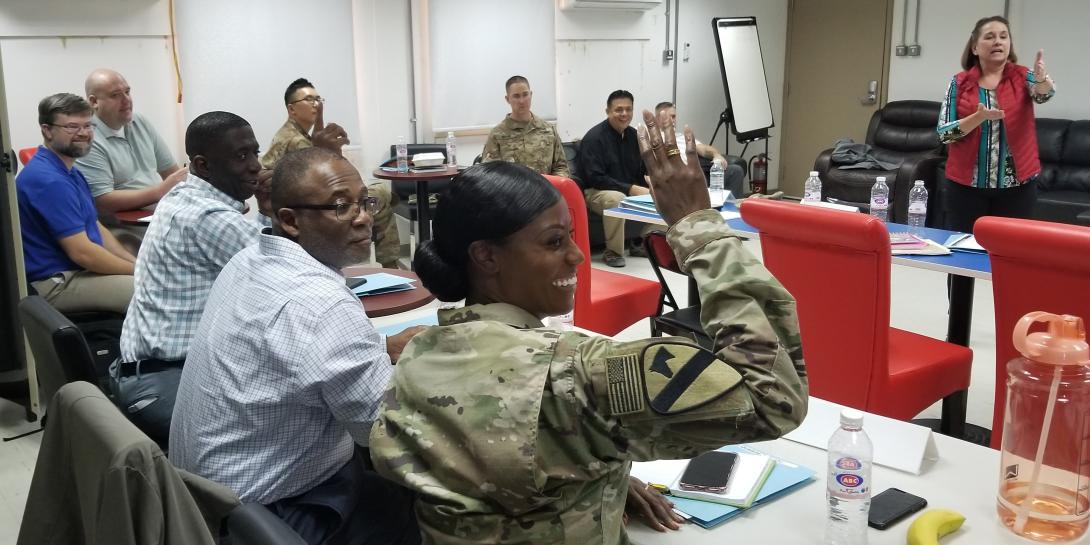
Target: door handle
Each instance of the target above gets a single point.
(872, 94)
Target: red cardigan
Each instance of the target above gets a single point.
(1021, 128)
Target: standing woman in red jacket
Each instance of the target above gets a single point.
(987, 119)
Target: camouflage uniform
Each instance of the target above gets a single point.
(291, 137)
(513, 433)
(534, 143)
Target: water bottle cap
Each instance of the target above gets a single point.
(1063, 344)
(851, 417)
(919, 183)
(880, 179)
(813, 173)
(450, 134)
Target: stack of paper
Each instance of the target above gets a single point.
(380, 283)
(775, 480)
(905, 243)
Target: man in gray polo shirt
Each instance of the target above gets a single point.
(129, 165)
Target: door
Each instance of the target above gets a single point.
(835, 50)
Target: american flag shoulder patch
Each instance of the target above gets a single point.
(625, 379)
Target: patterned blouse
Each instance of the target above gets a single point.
(993, 137)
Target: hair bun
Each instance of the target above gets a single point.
(447, 282)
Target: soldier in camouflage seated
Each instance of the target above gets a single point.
(524, 138)
(511, 432)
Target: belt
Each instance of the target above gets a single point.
(139, 367)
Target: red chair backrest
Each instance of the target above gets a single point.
(1036, 265)
(25, 154)
(836, 264)
(577, 207)
(658, 249)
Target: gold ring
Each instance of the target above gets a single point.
(671, 152)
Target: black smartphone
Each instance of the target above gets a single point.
(354, 283)
(892, 505)
(708, 472)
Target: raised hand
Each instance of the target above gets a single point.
(679, 188)
(989, 114)
(1039, 72)
(330, 137)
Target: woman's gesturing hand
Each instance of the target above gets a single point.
(679, 189)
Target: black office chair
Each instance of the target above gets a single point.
(61, 354)
(681, 322)
(83, 416)
(101, 330)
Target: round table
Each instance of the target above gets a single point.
(391, 303)
(134, 217)
(421, 179)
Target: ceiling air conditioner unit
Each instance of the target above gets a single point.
(629, 5)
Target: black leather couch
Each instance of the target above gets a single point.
(902, 131)
(1063, 188)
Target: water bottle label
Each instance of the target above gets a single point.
(849, 463)
(917, 208)
(847, 479)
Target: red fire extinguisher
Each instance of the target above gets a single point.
(758, 173)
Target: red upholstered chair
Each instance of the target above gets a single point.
(25, 154)
(836, 264)
(605, 302)
(1036, 265)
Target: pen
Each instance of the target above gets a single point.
(954, 239)
(661, 488)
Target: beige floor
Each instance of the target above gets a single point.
(918, 304)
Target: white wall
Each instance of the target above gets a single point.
(239, 56)
(49, 46)
(1057, 26)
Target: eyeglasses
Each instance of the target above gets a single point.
(345, 211)
(310, 99)
(73, 128)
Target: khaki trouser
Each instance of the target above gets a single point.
(388, 242)
(81, 291)
(599, 200)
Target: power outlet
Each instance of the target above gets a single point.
(901, 50)
(914, 50)
(667, 55)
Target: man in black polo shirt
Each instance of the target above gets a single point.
(609, 160)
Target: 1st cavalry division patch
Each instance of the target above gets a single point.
(681, 377)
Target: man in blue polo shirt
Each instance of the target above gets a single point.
(71, 259)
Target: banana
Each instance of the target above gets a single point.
(933, 524)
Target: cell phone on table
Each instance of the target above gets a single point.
(354, 283)
(709, 472)
(892, 505)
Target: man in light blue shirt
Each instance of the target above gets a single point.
(197, 228)
(129, 165)
(285, 371)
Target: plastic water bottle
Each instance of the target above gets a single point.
(812, 189)
(879, 199)
(917, 205)
(402, 155)
(716, 176)
(452, 150)
(848, 485)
